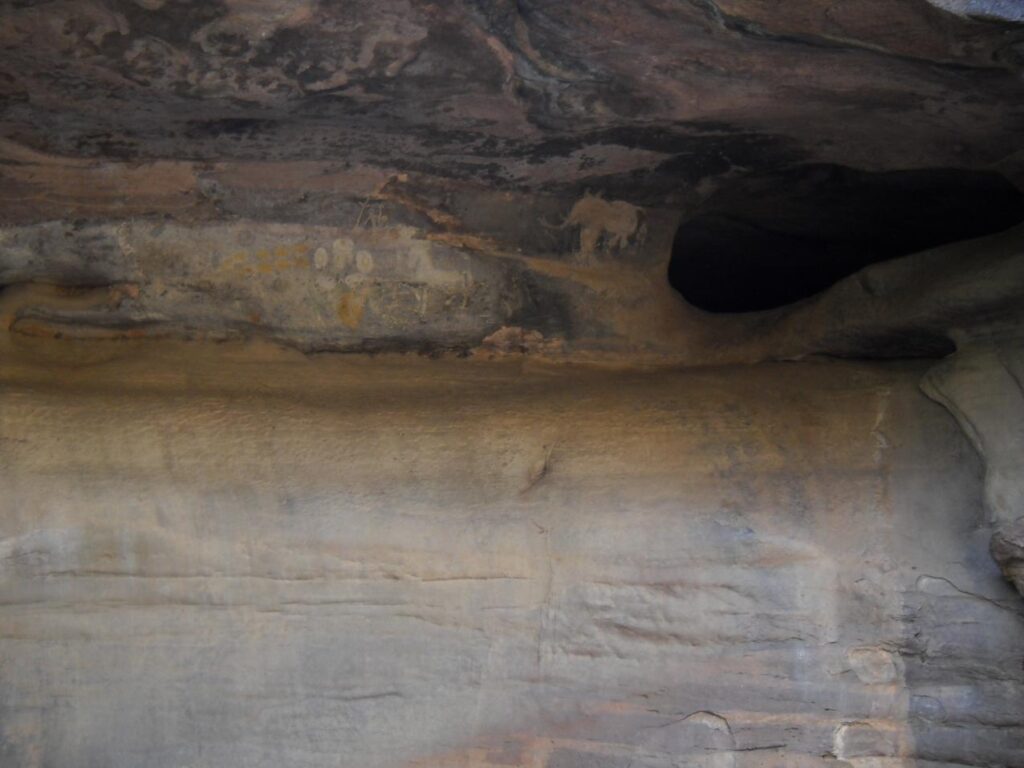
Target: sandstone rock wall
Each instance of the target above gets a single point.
(349, 415)
(981, 387)
(218, 555)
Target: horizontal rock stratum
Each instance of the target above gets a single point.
(227, 556)
(511, 384)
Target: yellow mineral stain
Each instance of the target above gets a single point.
(351, 307)
(280, 258)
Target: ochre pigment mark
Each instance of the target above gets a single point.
(351, 307)
(268, 261)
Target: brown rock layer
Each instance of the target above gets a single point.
(220, 556)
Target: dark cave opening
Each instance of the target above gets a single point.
(770, 241)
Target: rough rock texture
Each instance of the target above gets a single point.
(517, 93)
(389, 288)
(218, 556)
(983, 9)
(981, 386)
(405, 175)
(348, 416)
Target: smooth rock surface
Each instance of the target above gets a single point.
(981, 387)
(217, 556)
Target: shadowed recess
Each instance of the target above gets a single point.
(770, 241)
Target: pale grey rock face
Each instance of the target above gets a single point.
(1008, 550)
(1006, 10)
(215, 559)
(981, 387)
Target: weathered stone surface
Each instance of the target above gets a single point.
(626, 96)
(391, 286)
(215, 555)
(516, 166)
(1008, 550)
(578, 522)
(985, 9)
(981, 387)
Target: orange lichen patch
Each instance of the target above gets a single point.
(351, 307)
